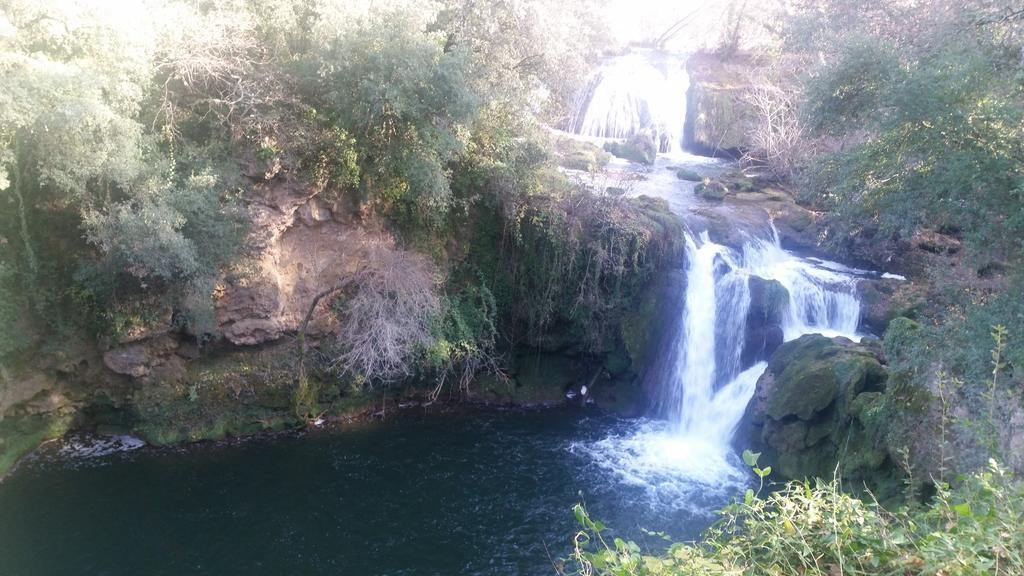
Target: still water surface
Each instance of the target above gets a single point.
(485, 493)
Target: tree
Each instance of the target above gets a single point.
(387, 316)
(406, 104)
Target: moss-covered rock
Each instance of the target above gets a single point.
(223, 395)
(577, 155)
(23, 433)
(688, 175)
(711, 190)
(809, 373)
(640, 148)
(813, 408)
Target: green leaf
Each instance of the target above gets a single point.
(762, 472)
(963, 509)
(748, 497)
(750, 458)
(580, 514)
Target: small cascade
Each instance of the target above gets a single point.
(823, 295)
(632, 93)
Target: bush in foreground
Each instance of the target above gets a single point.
(815, 528)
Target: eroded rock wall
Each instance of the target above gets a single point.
(718, 117)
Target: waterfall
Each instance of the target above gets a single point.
(704, 385)
(707, 391)
(717, 299)
(635, 92)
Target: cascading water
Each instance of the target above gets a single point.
(707, 392)
(635, 92)
(706, 378)
(706, 387)
(720, 299)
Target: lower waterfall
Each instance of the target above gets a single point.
(705, 386)
(708, 388)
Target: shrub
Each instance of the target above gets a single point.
(388, 311)
(12, 339)
(816, 529)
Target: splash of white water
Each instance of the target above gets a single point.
(823, 294)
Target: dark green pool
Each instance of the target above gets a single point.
(426, 494)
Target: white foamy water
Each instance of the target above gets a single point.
(822, 294)
(97, 446)
(675, 472)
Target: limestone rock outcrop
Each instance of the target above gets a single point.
(299, 246)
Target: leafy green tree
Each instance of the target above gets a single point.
(65, 135)
(405, 102)
(926, 101)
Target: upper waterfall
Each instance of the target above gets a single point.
(638, 91)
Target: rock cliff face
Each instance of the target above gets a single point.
(154, 376)
(299, 246)
(718, 119)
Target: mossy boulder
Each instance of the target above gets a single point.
(577, 155)
(711, 190)
(814, 408)
(640, 148)
(22, 433)
(810, 372)
(688, 175)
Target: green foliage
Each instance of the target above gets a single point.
(579, 261)
(467, 326)
(12, 336)
(933, 126)
(404, 100)
(465, 341)
(172, 237)
(815, 528)
(525, 55)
